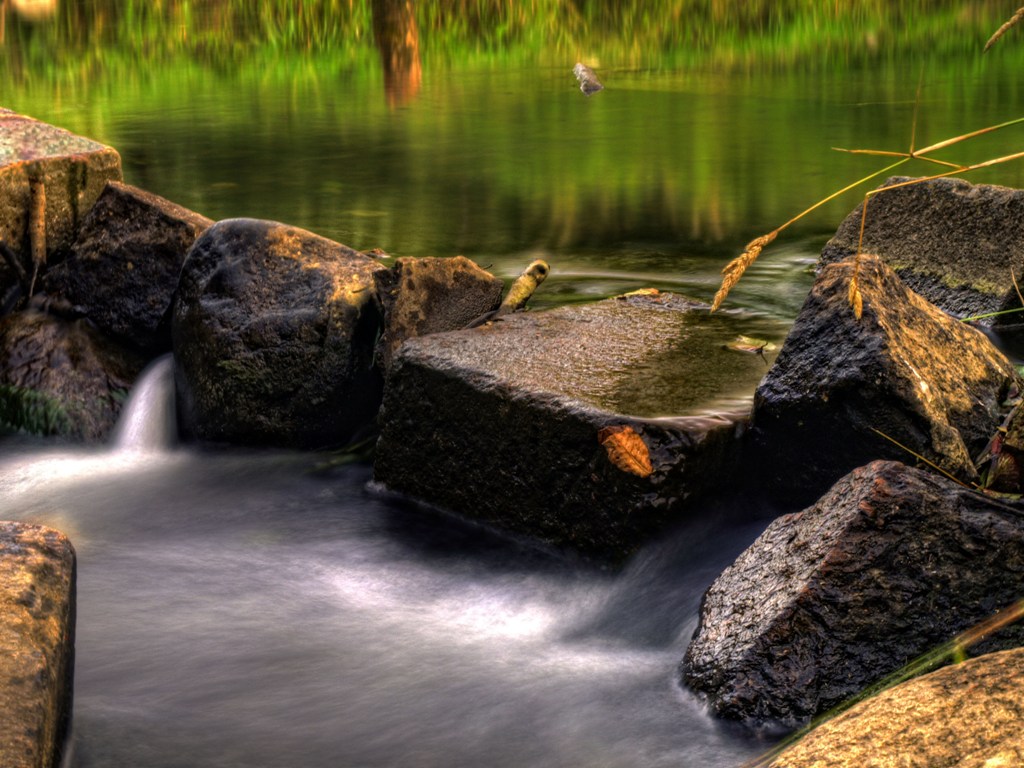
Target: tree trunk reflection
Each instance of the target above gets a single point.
(397, 38)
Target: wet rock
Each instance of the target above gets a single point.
(37, 602)
(969, 715)
(124, 265)
(72, 170)
(890, 563)
(518, 423)
(273, 333)
(955, 243)
(422, 296)
(905, 369)
(61, 377)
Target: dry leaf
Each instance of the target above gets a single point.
(626, 450)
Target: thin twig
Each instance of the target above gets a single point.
(932, 464)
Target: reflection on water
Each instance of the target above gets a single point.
(243, 609)
(398, 40)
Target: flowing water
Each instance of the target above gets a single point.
(258, 609)
(242, 608)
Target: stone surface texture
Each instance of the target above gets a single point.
(892, 562)
(969, 715)
(954, 242)
(61, 377)
(905, 370)
(502, 423)
(37, 603)
(431, 295)
(273, 333)
(73, 169)
(124, 265)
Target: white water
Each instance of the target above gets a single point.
(248, 609)
(148, 420)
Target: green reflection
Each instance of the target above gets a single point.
(715, 125)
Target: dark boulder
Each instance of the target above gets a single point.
(843, 389)
(528, 423)
(37, 638)
(61, 377)
(124, 265)
(891, 562)
(273, 334)
(422, 296)
(955, 243)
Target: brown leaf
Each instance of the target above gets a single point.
(626, 450)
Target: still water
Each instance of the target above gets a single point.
(258, 609)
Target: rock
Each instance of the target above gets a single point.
(969, 715)
(61, 377)
(273, 334)
(124, 265)
(422, 296)
(892, 562)
(955, 243)
(37, 646)
(906, 369)
(506, 423)
(72, 169)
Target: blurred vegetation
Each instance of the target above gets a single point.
(716, 124)
(89, 35)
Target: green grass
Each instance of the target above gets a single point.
(90, 36)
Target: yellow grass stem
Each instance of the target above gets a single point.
(919, 457)
(735, 268)
(1011, 22)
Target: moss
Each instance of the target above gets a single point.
(27, 410)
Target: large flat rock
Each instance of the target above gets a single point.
(72, 169)
(37, 603)
(512, 423)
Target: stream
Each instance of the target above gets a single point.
(241, 608)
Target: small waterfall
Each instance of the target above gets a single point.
(148, 421)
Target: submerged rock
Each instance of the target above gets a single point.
(61, 377)
(273, 334)
(71, 170)
(957, 244)
(841, 387)
(969, 715)
(124, 265)
(892, 562)
(541, 422)
(37, 646)
(423, 296)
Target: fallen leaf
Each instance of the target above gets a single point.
(626, 450)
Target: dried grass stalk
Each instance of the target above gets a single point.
(1012, 22)
(733, 271)
(855, 297)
